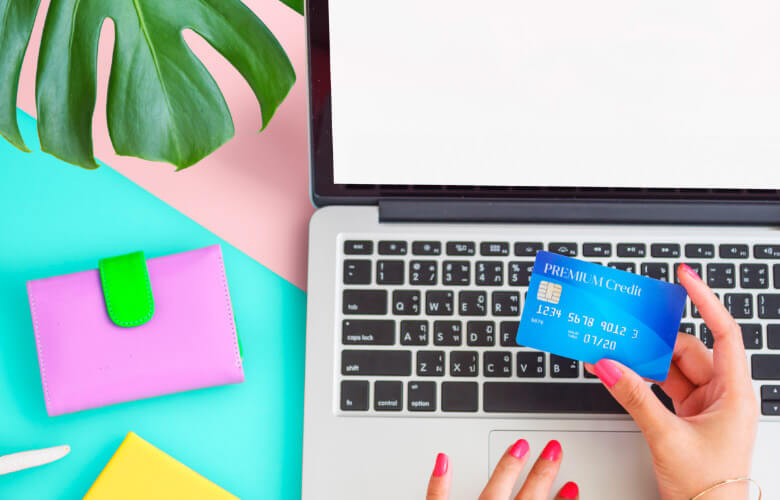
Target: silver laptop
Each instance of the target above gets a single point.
(450, 141)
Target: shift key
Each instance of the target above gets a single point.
(376, 362)
(365, 302)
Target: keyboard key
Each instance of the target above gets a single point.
(769, 306)
(751, 335)
(368, 332)
(548, 397)
(561, 367)
(422, 272)
(567, 249)
(447, 333)
(530, 364)
(766, 251)
(390, 272)
(459, 396)
(696, 266)
(353, 247)
(490, 273)
(439, 303)
(494, 249)
(481, 333)
(597, 249)
(699, 251)
(520, 273)
(629, 267)
(527, 249)
(388, 395)
(354, 395)
(384, 362)
(770, 392)
(754, 276)
(426, 248)
(656, 270)
(392, 248)
(740, 305)
(705, 334)
(688, 328)
(406, 302)
(414, 332)
(631, 250)
(766, 366)
(773, 336)
(357, 272)
(497, 364)
(721, 275)
(665, 250)
(472, 303)
(509, 333)
(663, 397)
(732, 251)
(771, 408)
(776, 273)
(464, 364)
(694, 310)
(421, 396)
(430, 363)
(365, 302)
(506, 304)
(461, 248)
(456, 272)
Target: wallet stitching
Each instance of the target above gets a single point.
(150, 303)
(39, 343)
(228, 309)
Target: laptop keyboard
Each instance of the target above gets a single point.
(427, 327)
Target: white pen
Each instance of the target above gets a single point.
(33, 458)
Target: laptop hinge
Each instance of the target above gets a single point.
(578, 211)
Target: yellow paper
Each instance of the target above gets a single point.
(138, 470)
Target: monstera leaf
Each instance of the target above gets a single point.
(162, 103)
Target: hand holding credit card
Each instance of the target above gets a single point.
(589, 312)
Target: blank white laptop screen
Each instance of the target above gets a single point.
(602, 93)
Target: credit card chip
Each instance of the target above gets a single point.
(549, 292)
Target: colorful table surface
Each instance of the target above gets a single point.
(55, 219)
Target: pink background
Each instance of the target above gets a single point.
(254, 191)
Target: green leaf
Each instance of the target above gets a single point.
(162, 103)
(296, 5)
(16, 23)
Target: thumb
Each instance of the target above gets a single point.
(633, 393)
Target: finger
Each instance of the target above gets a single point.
(441, 478)
(728, 351)
(540, 479)
(628, 388)
(570, 491)
(505, 475)
(693, 359)
(677, 386)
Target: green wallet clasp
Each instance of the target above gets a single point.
(127, 290)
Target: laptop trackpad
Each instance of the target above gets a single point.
(603, 464)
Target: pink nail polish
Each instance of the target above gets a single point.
(552, 451)
(685, 268)
(519, 449)
(569, 490)
(608, 372)
(442, 464)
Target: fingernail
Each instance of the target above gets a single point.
(519, 449)
(685, 268)
(569, 490)
(552, 451)
(442, 463)
(608, 372)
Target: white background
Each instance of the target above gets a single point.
(631, 93)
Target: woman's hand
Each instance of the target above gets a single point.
(711, 437)
(537, 485)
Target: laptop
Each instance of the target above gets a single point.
(451, 141)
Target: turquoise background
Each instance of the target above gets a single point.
(56, 219)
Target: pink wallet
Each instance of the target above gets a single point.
(135, 329)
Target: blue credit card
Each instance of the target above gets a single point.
(588, 312)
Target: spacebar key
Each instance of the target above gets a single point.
(548, 397)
